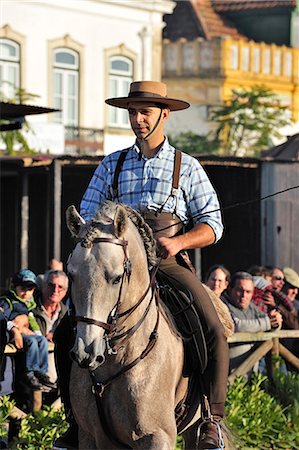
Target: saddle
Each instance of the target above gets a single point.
(187, 322)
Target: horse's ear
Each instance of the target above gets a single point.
(120, 221)
(73, 220)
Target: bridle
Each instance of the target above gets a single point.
(110, 327)
(112, 333)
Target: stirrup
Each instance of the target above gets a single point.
(207, 417)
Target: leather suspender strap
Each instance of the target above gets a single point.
(118, 168)
(175, 176)
(176, 170)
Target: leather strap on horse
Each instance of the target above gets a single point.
(98, 388)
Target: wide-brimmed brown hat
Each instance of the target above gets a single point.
(148, 91)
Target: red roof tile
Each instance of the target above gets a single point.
(235, 5)
(212, 23)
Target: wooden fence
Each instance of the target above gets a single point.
(269, 346)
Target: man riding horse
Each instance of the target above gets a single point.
(169, 188)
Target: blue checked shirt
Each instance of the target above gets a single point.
(146, 184)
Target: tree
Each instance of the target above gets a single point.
(193, 143)
(13, 137)
(249, 120)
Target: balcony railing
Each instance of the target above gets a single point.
(83, 141)
(226, 56)
(221, 64)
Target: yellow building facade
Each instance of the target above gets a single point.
(204, 72)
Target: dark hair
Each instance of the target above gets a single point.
(272, 268)
(261, 271)
(161, 105)
(239, 276)
(215, 267)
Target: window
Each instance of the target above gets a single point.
(66, 86)
(9, 68)
(120, 77)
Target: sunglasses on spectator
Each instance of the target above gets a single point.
(53, 286)
(278, 278)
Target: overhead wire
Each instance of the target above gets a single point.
(234, 205)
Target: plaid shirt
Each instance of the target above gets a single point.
(279, 297)
(145, 184)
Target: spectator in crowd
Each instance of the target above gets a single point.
(217, 279)
(291, 285)
(3, 342)
(267, 293)
(54, 264)
(18, 305)
(291, 318)
(289, 291)
(266, 298)
(261, 271)
(51, 310)
(246, 316)
(277, 278)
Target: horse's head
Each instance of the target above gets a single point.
(106, 267)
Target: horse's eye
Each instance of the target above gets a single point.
(117, 279)
(70, 275)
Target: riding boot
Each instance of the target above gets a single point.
(210, 434)
(64, 340)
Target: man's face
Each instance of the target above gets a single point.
(292, 293)
(217, 281)
(241, 294)
(143, 118)
(55, 289)
(277, 279)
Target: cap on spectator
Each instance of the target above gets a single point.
(260, 282)
(24, 277)
(291, 276)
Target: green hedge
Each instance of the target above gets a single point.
(260, 420)
(262, 415)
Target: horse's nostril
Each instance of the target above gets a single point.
(100, 359)
(73, 355)
(84, 364)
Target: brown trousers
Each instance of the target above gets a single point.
(215, 375)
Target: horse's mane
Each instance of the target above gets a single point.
(103, 215)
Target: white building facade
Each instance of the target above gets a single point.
(74, 54)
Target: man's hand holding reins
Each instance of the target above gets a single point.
(200, 236)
